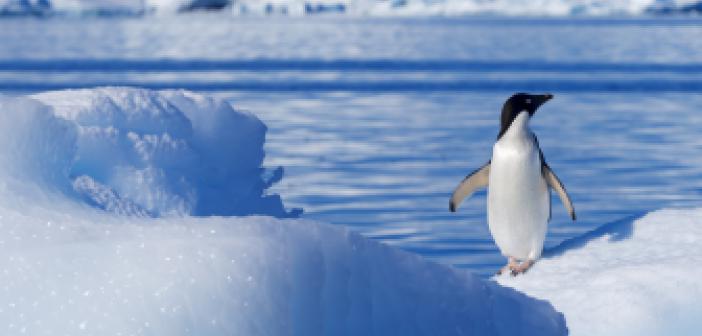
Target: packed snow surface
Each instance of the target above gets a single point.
(81, 253)
(631, 277)
(165, 153)
(354, 7)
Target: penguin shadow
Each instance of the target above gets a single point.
(616, 231)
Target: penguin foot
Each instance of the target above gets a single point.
(522, 268)
(511, 265)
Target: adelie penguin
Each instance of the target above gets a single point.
(518, 180)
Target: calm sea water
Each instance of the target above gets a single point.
(376, 120)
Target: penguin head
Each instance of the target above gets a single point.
(518, 103)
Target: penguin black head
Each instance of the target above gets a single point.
(518, 103)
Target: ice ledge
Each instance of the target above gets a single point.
(74, 270)
(637, 276)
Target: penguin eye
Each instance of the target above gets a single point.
(528, 101)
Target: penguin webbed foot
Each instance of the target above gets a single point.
(512, 264)
(521, 268)
(514, 267)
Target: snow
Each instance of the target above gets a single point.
(526, 7)
(106, 7)
(637, 276)
(19, 7)
(354, 7)
(166, 153)
(71, 263)
(70, 269)
(171, 6)
(467, 7)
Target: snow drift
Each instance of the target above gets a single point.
(632, 277)
(68, 270)
(165, 153)
(353, 7)
(71, 268)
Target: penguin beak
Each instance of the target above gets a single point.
(531, 102)
(541, 99)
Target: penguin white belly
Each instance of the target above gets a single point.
(518, 198)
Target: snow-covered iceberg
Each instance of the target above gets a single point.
(106, 7)
(69, 270)
(22, 7)
(468, 7)
(637, 276)
(354, 7)
(69, 267)
(532, 8)
(165, 153)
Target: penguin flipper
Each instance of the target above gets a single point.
(553, 182)
(475, 180)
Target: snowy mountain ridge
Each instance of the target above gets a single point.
(354, 7)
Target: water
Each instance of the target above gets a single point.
(376, 120)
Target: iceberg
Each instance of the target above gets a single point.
(531, 8)
(24, 7)
(172, 6)
(106, 7)
(354, 7)
(97, 192)
(166, 153)
(467, 7)
(636, 276)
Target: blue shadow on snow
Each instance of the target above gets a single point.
(617, 231)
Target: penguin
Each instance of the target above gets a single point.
(519, 182)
